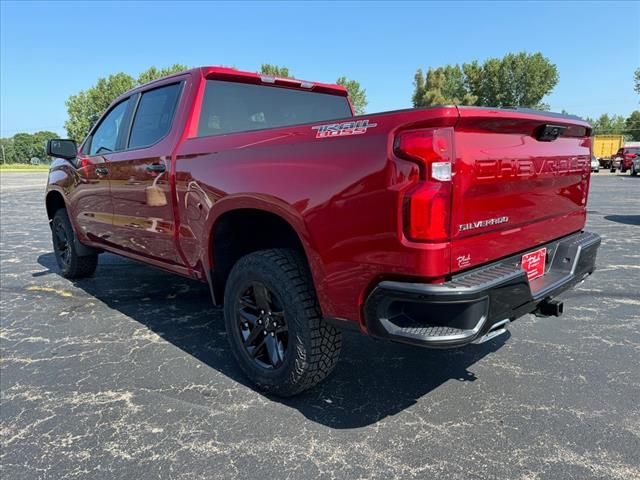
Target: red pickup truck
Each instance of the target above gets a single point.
(434, 227)
(624, 157)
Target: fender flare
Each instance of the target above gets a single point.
(267, 204)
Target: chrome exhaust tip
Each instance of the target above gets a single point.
(496, 330)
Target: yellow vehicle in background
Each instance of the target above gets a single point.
(605, 147)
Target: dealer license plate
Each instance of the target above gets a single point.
(533, 263)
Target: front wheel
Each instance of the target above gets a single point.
(274, 323)
(71, 264)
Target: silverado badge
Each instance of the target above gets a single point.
(483, 223)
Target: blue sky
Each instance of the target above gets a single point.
(49, 51)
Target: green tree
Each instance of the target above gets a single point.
(632, 126)
(441, 86)
(40, 143)
(608, 125)
(275, 70)
(519, 79)
(636, 78)
(86, 107)
(7, 151)
(357, 94)
(153, 73)
(22, 147)
(419, 89)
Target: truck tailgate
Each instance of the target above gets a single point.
(515, 186)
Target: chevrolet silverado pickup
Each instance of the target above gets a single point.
(434, 227)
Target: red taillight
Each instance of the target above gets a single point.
(427, 205)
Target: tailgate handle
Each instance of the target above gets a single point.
(549, 132)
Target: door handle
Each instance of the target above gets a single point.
(156, 168)
(102, 171)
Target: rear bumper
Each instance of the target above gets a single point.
(474, 303)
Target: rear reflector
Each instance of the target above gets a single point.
(426, 206)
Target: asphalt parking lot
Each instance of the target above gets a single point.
(128, 375)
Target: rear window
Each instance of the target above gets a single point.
(154, 115)
(633, 150)
(230, 107)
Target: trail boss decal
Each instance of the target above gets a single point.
(343, 129)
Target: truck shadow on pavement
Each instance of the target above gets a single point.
(372, 381)
(624, 219)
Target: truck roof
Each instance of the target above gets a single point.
(233, 74)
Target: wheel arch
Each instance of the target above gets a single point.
(54, 201)
(232, 234)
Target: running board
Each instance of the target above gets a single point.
(497, 329)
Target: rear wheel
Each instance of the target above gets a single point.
(634, 172)
(71, 264)
(274, 323)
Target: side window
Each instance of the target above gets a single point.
(105, 137)
(154, 115)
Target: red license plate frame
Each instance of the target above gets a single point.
(534, 263)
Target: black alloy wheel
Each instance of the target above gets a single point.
(274, 323)
(263, 326)
(61, 245)
(72, 264)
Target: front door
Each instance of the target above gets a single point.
(91, 200)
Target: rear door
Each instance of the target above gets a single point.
(143, 216)
(520, 179)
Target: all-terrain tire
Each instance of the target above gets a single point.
(313, 345)
(71, 264)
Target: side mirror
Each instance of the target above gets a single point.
(66, 149)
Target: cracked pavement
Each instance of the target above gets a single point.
(128, 375)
